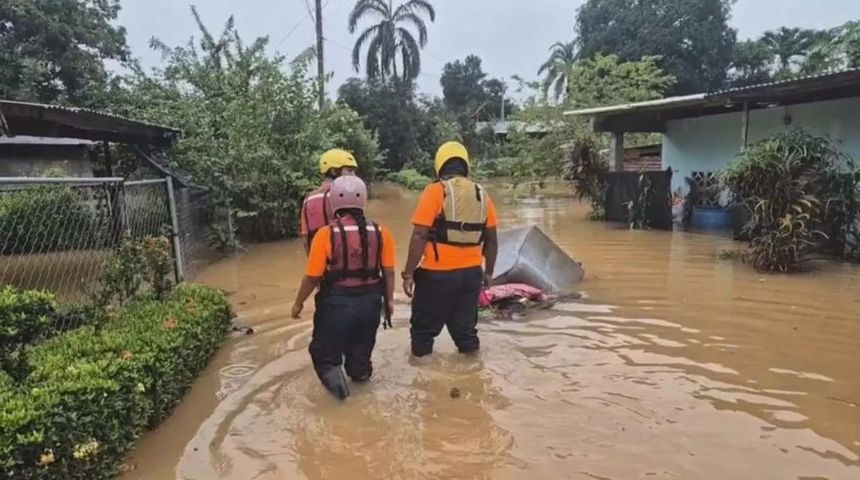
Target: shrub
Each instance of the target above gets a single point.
(410, 179)
(793, 184)
(92, 393)
(46, 219)
(586, 170)
(25, 317)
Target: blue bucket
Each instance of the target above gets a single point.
(711, 218)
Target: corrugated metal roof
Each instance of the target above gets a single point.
(788, 81)
(662, 102)
(63, 108)
(717, 95)
(28, 140)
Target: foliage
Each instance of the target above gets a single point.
(466, 89)
(46, 219)
(91, 393)
(409, 178)
(607, 80)
(389, 37)
(54, 50)
(25, 317)
(692, 37)
(557, 69)
(346, 131)
(390, 109)
(586, 170)
(788, 52)
(793, 184)
(251, 132)
(139, 268)
(751, 63)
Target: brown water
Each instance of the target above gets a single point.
(676, 365)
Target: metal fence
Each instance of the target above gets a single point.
(58, 234)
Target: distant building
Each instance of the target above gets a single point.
(703, 133)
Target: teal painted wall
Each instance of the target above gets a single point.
(711, 143)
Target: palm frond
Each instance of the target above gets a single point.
(359, 45)
(373, 66)
(413, 7)
(411, 53)
(419, 24)
(364, 8)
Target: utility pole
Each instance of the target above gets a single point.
(320, 63)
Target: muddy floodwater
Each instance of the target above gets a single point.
(675, 365)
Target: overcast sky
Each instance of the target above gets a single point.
(511, 36)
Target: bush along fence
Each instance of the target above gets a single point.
(81, 379)
(58, 234)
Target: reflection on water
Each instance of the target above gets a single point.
(675, 365)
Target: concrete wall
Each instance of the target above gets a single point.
(31, 161)
(711, 143)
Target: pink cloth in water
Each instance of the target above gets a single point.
(509, 290)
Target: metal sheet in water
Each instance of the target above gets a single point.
(527, 255)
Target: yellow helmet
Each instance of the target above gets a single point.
(336, 158)
(450, 151)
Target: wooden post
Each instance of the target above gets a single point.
(745, 126)
(320, 61)
(616, 152)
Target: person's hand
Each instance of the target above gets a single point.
(408, 284)
(389, 312)
(488, 280)
(297, 310)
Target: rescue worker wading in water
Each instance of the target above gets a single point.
(454, 234)
(352, 261)
(316, 211)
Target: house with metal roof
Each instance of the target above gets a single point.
(37, 137)
(703, 133)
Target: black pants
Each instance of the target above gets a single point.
(450, 299)
(345, 326)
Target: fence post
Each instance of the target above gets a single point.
(174, 227)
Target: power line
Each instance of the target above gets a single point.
(297, 25)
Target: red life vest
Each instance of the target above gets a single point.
(317, 210)
(351, 266)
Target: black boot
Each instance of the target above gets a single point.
(334, 381)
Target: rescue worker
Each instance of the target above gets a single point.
(453, 237)
(352, 262)
(316, 212)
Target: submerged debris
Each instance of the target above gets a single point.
(455, 392)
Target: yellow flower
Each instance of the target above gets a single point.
(47, 458)
(86, 450)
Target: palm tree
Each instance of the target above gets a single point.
(787, 43)
(557, 68)
(389, 38)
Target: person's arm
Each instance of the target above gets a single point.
(491, 251)
(309, 284)
(429, 206)
(320, 246)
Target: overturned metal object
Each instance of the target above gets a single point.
(527, 255)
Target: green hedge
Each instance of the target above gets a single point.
(91, 393)
(48, 219)
(409, 178)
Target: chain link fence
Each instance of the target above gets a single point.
(58, 234)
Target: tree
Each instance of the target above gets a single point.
(788, 43)
(390, 109)
(557, 68)
(54, 50)
(751, 63)
(389, 37)
(252, 132)
(606, 80)
(692, 37)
